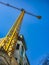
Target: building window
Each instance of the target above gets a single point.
(17, 47)
(19, 63)
(16, 58)
(21, 52)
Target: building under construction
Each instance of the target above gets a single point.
(20, 51)
(12, 46)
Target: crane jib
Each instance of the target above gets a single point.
(38, 17)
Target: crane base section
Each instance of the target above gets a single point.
(5, 59)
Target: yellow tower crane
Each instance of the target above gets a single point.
(7, 44)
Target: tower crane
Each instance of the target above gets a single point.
(7, 44)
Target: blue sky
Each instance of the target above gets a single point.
(36, 32)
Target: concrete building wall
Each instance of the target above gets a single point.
(20, 53)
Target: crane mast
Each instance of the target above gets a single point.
(8, 44)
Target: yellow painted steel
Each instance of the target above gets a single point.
(9, 42)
